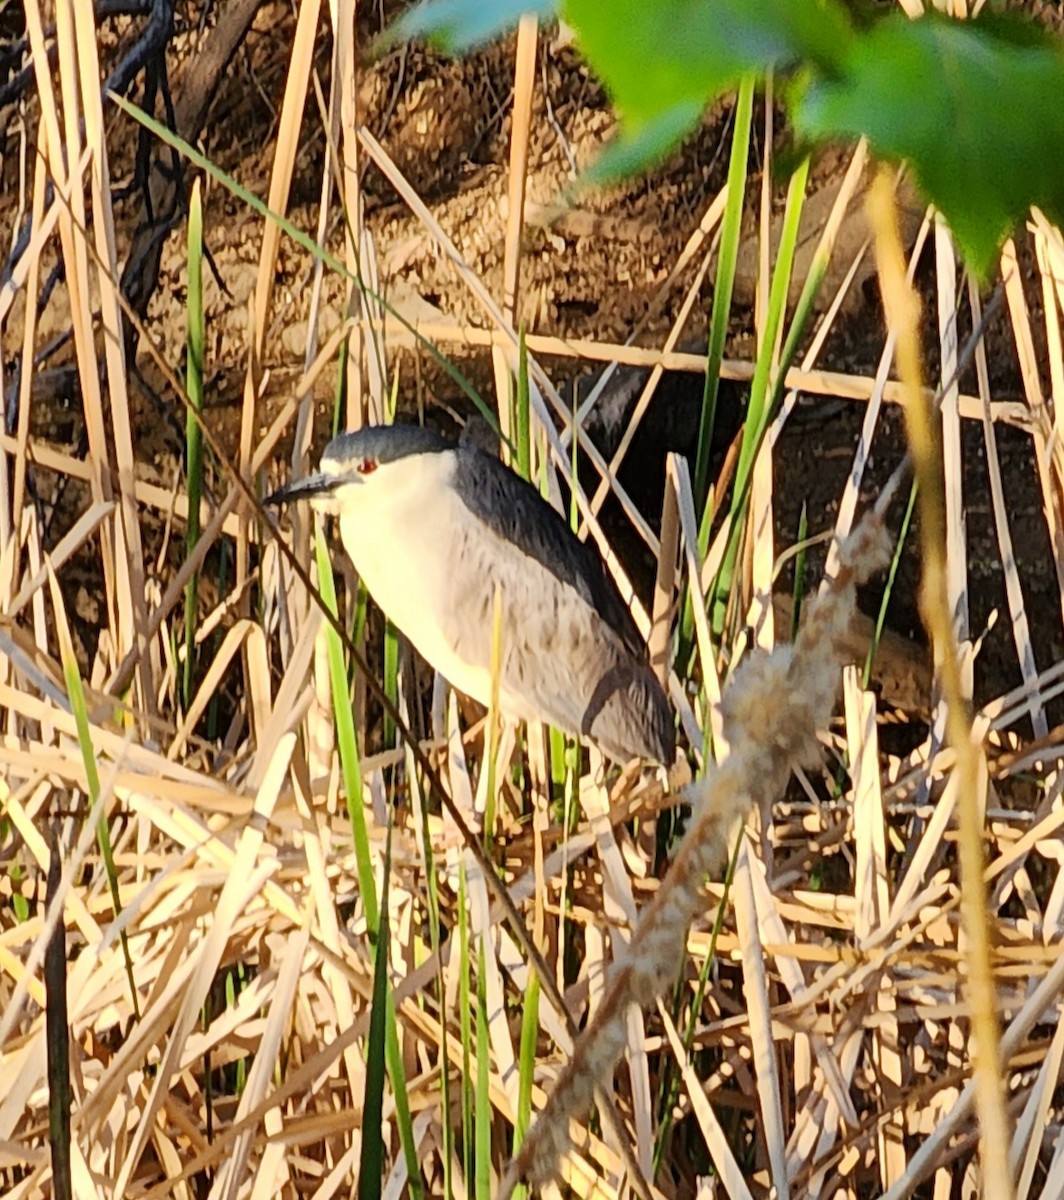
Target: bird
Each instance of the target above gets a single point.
(434, 527)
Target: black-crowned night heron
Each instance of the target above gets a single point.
(434, 528)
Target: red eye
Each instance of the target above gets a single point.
(367, 466)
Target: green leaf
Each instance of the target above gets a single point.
(723, 285)
(658, 56)
(347, 738)
(455, 26)
(973, 106)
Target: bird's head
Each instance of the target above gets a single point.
(365, 468)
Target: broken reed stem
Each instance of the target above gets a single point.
(772, 711)
(902, 308)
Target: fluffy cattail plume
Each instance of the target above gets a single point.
(772, 711)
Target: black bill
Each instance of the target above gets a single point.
(303, 489)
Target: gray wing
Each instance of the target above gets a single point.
(572, 649)
(517, 513)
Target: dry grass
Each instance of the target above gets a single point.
(818, 1043)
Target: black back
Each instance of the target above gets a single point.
(511, 507)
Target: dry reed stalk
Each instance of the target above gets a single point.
(61, 148)
(872, 900)
(759, 535)
(839, 385)
(128, 542)
(759, 1011)
(1013, 590)
(678, 475)
(666, 581)
(296, 87)
(346, 64)
(517, 177)
(902, 309)
(950, 423)
(852, 490)
(29, 333)
(1047, 448)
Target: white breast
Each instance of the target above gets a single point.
(405, 549)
